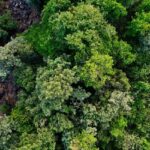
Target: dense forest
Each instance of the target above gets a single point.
(74, 74)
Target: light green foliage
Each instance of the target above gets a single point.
(89, 118)
(97, 70)
(85, 24)
(7, 61)
(22, 120)
(20, 48)
(60, 123)
(53, 84)
(118, 103)
(6, 133)
(12, 55)
(7, 55)
(130, 142)
(85, 43)
(43, 140)
(83, 140)
(72, 29)
(79, 31)
(111, 120)
(118, 127)
(133, 142)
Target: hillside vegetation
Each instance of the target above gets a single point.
(81, 76)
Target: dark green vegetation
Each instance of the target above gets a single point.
(7, 26)
(83, 75)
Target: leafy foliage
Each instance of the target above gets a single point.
(53, 84)
(5, 132)
(42, 140)
(97, 70)
(7, 24)
(82, 78)
(140, 26)
(112, 10)
(118, 104)
(83, 140)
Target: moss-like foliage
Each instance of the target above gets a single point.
(7, 25)
(82, 78)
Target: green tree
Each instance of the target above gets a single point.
(97, 70)
(7, 24)
(54, 84)
(83, 140)
(44, 139)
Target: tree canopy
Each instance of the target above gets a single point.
(82, 77)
